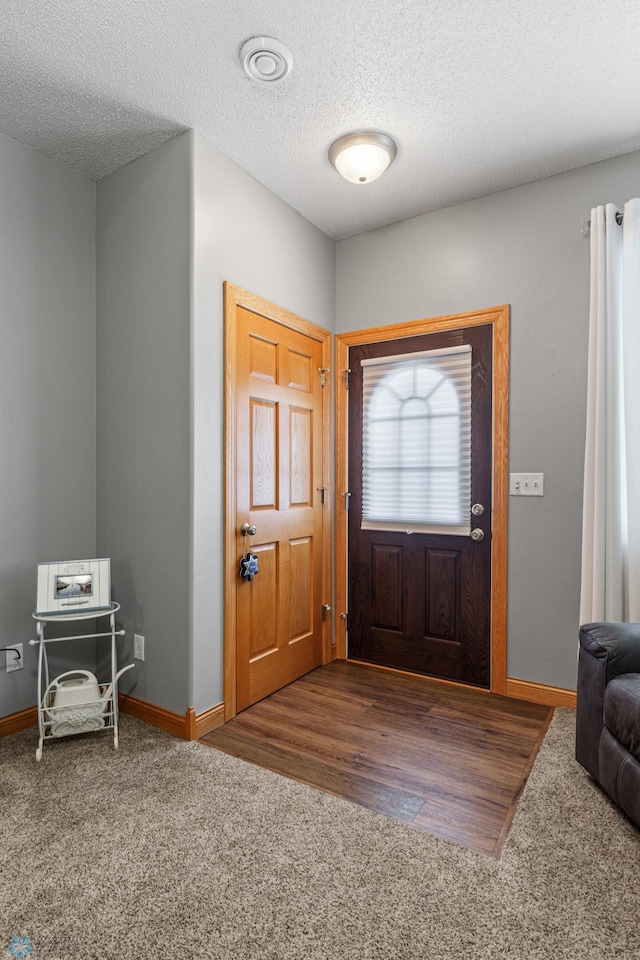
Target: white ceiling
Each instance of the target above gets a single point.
(480, 95)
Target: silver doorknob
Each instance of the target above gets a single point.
(477, 534)
(477, 509)
(248, 530)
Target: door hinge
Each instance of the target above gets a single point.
(347, 498)
(326, 610)
(347, 372)
(323, 371)
(323, 493)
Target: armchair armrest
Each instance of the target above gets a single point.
(617, 644)
(606, 651)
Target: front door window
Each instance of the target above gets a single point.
(416, 443)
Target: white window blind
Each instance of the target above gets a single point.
(416, 463)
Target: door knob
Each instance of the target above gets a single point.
(248, 530)
(477, 509)
(477, 534)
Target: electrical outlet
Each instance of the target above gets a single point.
(138, 646)
(15, 662)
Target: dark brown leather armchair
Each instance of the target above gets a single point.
(608, 710)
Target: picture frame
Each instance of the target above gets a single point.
(66, 587)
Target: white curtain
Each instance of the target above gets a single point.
(610, 588)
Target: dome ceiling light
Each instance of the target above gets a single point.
(363, 156)
(265, 59)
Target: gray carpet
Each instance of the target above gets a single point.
(172, 850)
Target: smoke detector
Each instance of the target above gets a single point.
(266, 59)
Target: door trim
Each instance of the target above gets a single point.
(235, 297)
(498, 317)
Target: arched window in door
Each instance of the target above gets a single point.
(417, 441)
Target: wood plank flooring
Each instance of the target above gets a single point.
(446, 760)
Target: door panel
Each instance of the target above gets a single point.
(387, 586)
(301, 465)
(263, 443)
(442, 593)
(421, 601)
(263, 596)
(300, 371)
(263, 360)
(300, 589)
(279, 416)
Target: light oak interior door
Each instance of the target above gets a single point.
(279, 481)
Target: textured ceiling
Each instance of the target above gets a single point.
(480, 95)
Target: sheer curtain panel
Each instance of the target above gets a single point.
(610, 586)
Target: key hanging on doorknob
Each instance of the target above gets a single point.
(249, 562)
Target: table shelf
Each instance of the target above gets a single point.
(97, 714)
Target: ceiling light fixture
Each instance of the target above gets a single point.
(265, 59)
(363, 156)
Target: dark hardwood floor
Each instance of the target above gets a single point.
(446, 760)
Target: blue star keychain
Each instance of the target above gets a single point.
(248, 566)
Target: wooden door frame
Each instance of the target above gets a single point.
(498, 317)
(235, 297)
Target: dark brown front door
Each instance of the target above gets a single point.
(420, 590)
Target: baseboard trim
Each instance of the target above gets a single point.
(540, 693)
(175, 723)
(190, 726)
(209, 720)
(18, 721)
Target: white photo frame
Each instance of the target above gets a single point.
(73, 586)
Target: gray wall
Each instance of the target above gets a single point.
(244, 234)
(521, 247)
(170, 228)
(47, 391)
(143, 401)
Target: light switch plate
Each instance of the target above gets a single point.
(526, 485)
